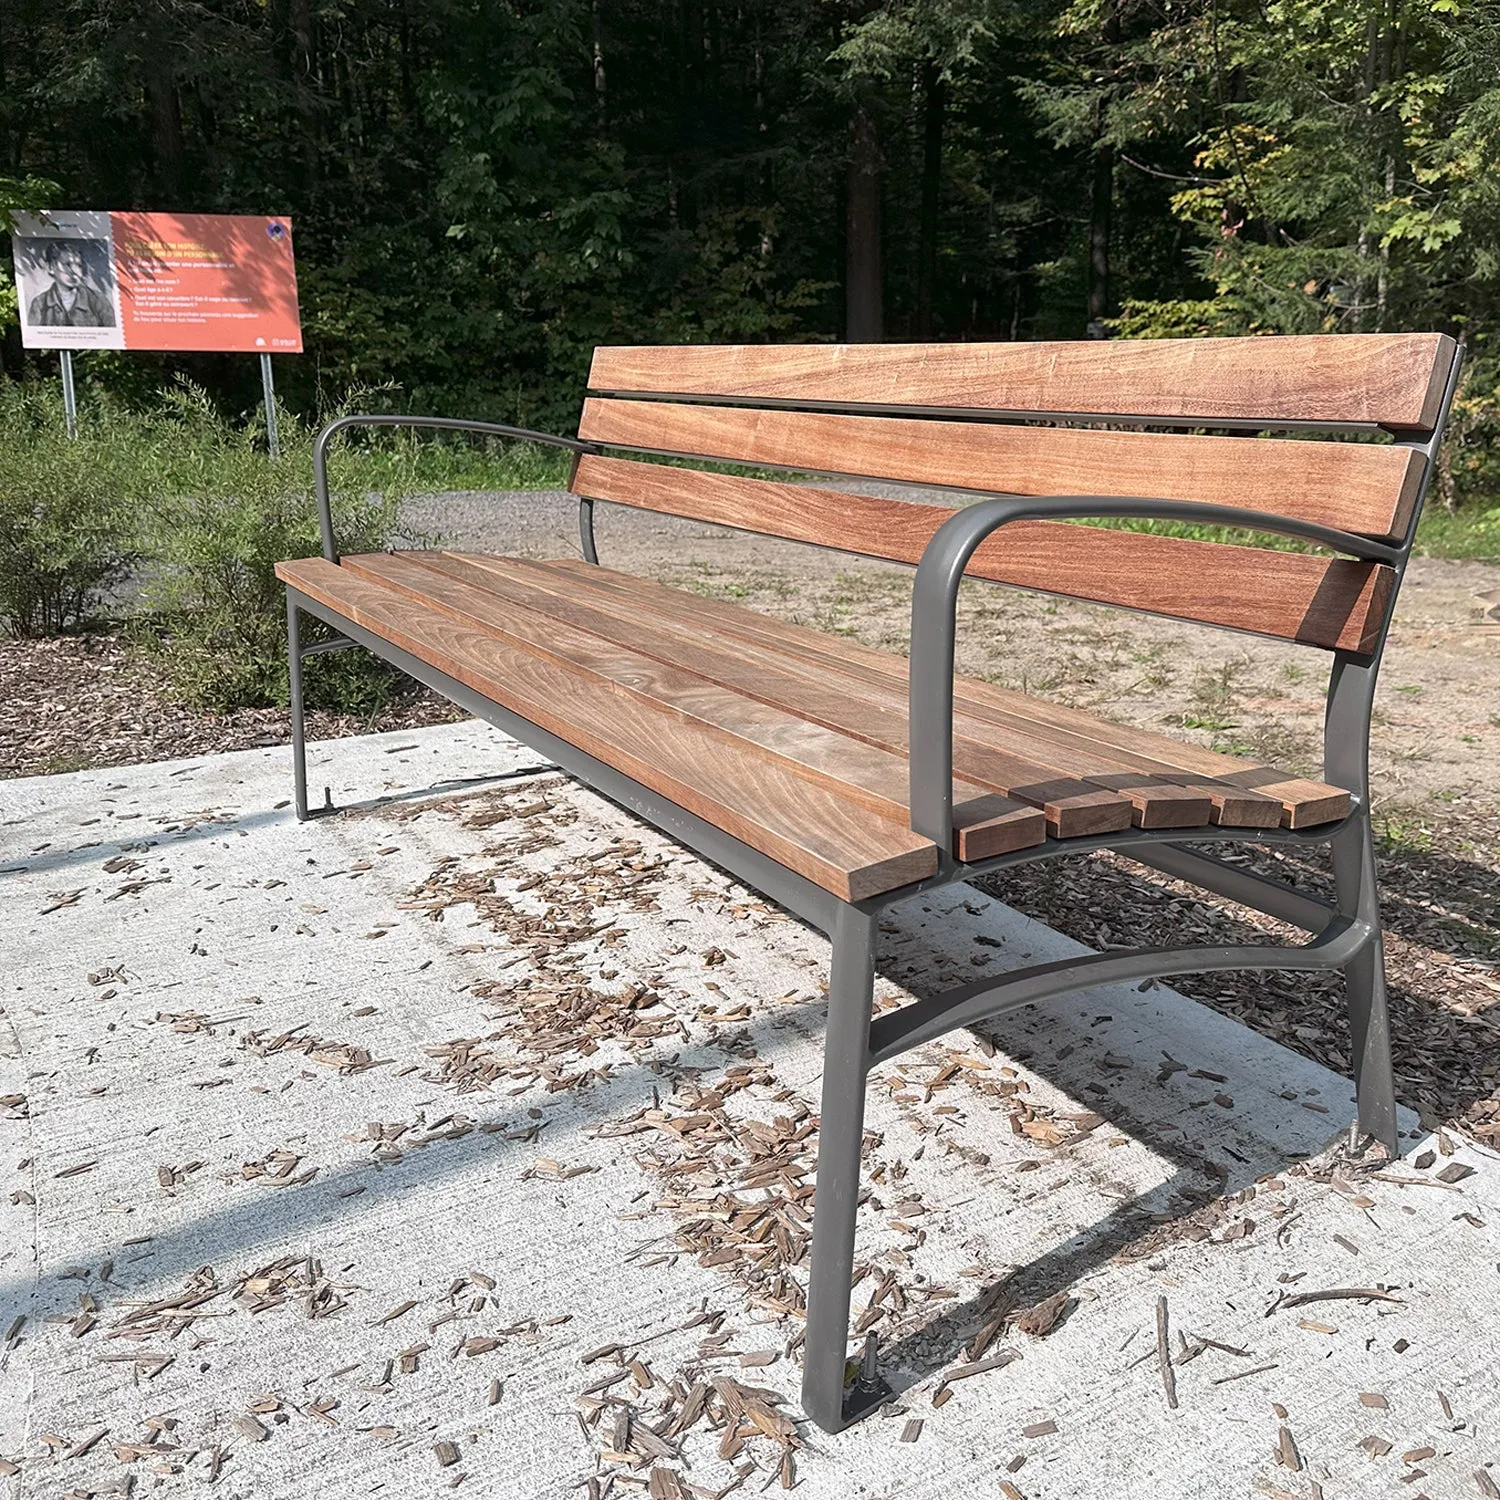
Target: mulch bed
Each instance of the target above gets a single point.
(78, 702)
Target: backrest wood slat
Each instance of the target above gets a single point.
(1388, 380)
(1319, 601)
(1361, 487)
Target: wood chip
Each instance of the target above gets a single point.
(1331, 1294)
(1416, 1455)
(1376, 1447)
(1487, 1486)
(1040, 1320)
(912, 1430)
(1455, 1171)
(1374, 1401)
(1040, 1429)
(1286, 1451)
(445, 1453)
(1164, 1354)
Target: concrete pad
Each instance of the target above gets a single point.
(258, 1226)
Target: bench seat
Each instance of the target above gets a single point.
(789, 739)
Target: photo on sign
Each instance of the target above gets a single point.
(65, 286)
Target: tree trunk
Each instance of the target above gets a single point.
(933, 104)
(864, 321)
(1101, 214)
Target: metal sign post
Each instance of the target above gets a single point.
(70, 395)
(268, 387)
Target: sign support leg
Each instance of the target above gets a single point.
(70, 394)
(268, 387)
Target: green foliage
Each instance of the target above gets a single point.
(225, 514)
(69, 511)
(483, 192)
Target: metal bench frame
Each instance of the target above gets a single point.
(1344, 933)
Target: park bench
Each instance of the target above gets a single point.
(837, 779)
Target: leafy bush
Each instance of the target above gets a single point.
(69, 510)
(225, 515)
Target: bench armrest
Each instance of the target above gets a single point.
(935, 600)
(444, 424)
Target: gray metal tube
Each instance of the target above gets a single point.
(268, 392)
(70, 393)
(893, 1032)
(438, 424)
(841, 1124)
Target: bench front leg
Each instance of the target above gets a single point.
(841, 1128)
(1364, 986)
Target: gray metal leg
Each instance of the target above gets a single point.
(294, 678)
(846, 1056)
(1364, 987)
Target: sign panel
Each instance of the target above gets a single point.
(217, 282)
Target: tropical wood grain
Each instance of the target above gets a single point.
(1370, 488)
(1304, 802)
(1334, 603)
(870, 777)
(1392, 380)
(789, 817)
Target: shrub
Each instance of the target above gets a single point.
(225, 516)
(69, 509)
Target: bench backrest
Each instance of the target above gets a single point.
(1163, 419)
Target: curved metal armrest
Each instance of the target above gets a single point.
(935, 598)
(446, 424)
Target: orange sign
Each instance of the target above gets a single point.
(157, 281)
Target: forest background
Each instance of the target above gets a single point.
(483, 190)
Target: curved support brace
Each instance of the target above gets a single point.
(935, 601)
(894, 1032)
(442, 424)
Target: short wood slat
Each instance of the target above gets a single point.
(1392, 380)
(985, 824)
(792, 819)
(1305, 802)
(1361, 487)
(1334, 603)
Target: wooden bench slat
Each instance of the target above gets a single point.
(1073, 806)
(1361, 487)
(1305, 802)
(985, 824)
(1066, 782)
(1333, 603)
(1393, 380)
(794, 820)
(812, 674)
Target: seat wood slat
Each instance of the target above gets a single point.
(985, 824)
(788, 817)
(1068, 784)
(1333, 603)
(1391, 380)
(1305, 802)
(1073, 806)
(1359, 487)
(718, 642)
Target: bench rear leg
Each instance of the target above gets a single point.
(846, 1054)
(1364, 988)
